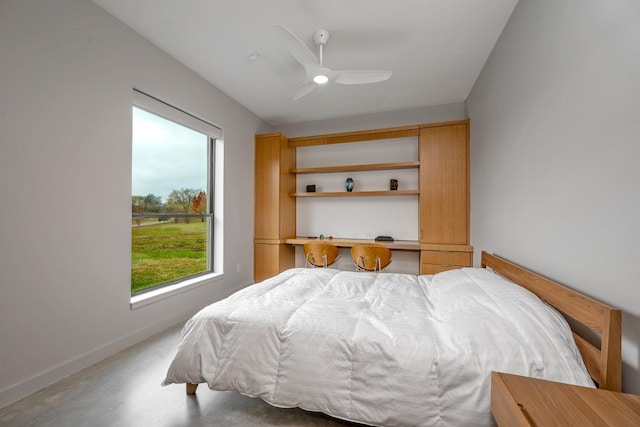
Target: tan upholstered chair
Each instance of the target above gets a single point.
(370, 257)
(320, 254)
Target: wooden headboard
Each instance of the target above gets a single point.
(604, 363)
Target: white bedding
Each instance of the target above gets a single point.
(382, 349)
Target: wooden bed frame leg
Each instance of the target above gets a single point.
(191, 389)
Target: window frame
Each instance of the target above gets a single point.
(213, 133)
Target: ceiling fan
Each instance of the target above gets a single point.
(317, 73)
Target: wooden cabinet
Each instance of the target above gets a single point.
(444, 197)
(271, 259)
(437, 258)
(275, 210)
(522, 401)
(443, 193)
(444, 184)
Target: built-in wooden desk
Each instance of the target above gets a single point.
(399, 245)
(434, 258)
(523, 401)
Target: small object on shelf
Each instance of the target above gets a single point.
(393, 184)
(322, 237)
(349, 184)
(384, 239)
(311, 188)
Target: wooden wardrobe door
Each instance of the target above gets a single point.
(275, 209)
(444, 184)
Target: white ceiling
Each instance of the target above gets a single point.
(435, 48)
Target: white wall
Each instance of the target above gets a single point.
(413, 116)
(555, 148)
(67, 69)
(360, 217)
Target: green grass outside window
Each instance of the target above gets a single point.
(167, 252)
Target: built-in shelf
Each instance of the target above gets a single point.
(358, 168)
(402, 245)
(357, 136)
(357, 193)
(442, 165)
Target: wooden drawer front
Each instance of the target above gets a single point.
(435, 268)
(446, 258)
(432, 262)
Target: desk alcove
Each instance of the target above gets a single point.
(438, 190)
(406, 253)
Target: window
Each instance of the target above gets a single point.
(172, 198)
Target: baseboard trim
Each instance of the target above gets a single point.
(30, 385)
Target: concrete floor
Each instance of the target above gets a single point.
(124, 390)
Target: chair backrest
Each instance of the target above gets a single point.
(320, 254)
(370, 257)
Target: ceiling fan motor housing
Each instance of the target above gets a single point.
(321, 37)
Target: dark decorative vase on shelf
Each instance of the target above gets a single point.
(349, 184)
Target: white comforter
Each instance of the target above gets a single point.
(383, 349)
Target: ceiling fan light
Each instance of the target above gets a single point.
(321, 79)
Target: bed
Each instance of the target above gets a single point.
(397, 349)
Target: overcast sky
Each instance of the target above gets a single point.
(166, 156)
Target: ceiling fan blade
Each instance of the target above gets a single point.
(356, 77)
(302, 90)
(296, 47)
